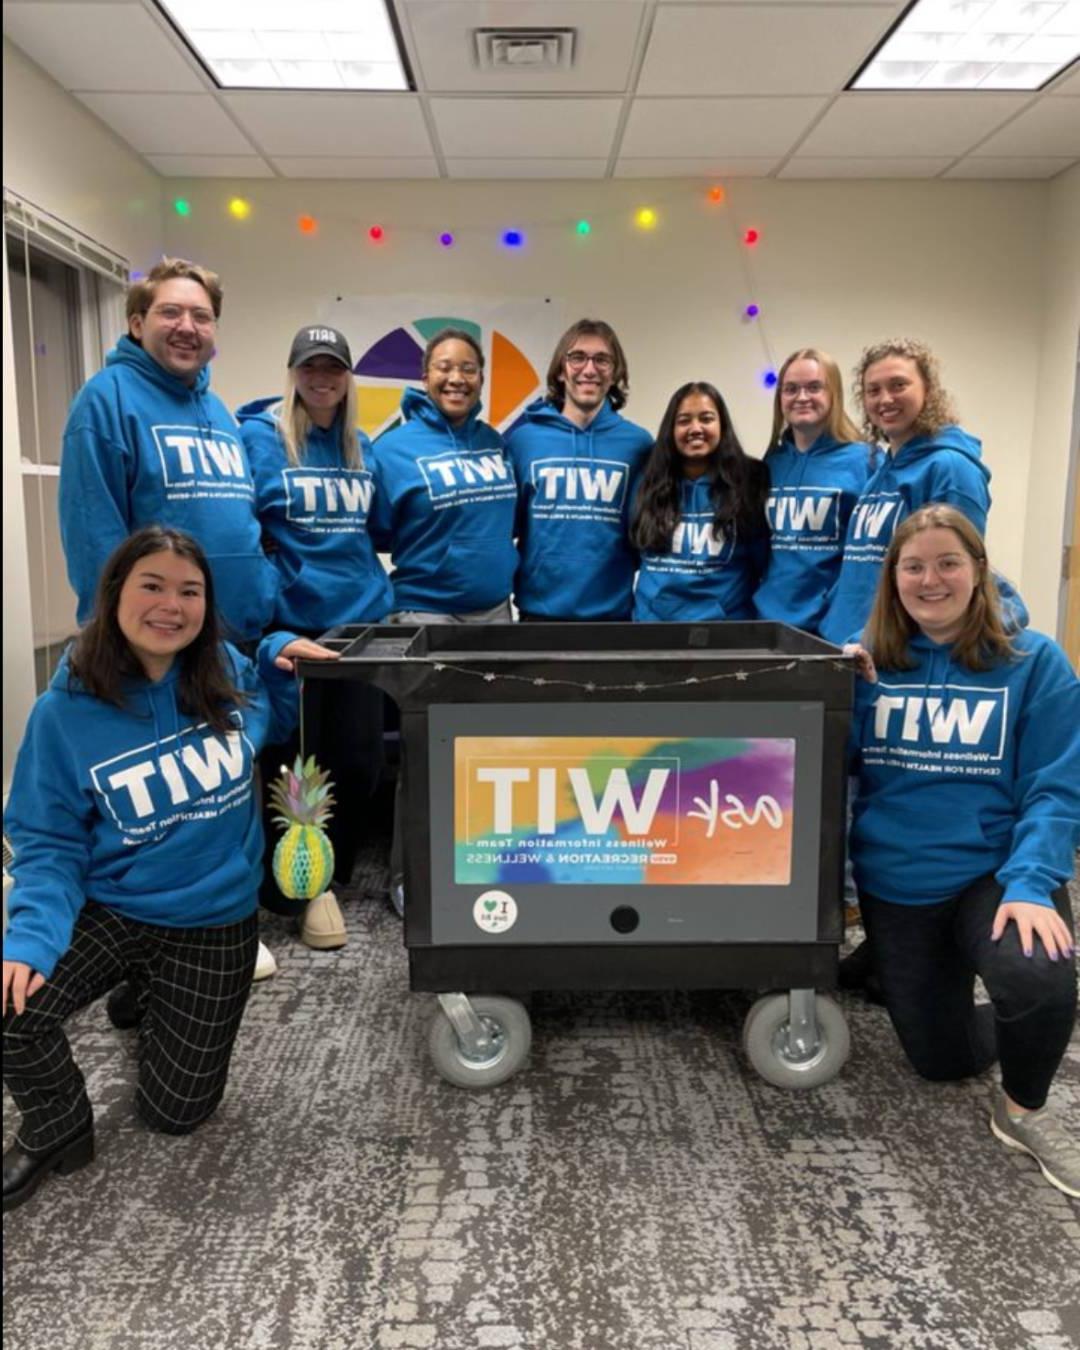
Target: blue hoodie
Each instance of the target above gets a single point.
(965, 772)
(138, 808)
(702, 577)
(141, 447)
(812, 496)
(444, 502)
(317, 515)
(576, 488)
(946, 468)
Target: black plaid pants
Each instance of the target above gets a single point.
(194, 983)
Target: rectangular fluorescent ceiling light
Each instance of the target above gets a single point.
(975, 44)
(292, 44)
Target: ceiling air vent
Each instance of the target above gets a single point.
(506, 49)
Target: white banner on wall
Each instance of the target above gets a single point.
(387, 335)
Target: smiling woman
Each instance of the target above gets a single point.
(137, 843)
(314, 491)
(967, 752)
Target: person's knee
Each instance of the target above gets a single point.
(1019, 984)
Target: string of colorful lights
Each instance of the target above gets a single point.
(645, 218)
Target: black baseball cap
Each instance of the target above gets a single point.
(318, 340)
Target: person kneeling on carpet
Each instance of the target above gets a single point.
(138, 850)
(965, 826)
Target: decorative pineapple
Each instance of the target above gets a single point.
(304, 856)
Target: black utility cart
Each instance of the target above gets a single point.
(617, 806)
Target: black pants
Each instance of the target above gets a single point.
(198, 980)
(343, 728)
(927, 957)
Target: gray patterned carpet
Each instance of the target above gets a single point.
(636, 1188)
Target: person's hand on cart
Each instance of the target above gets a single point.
(302, 649)
(864, 662)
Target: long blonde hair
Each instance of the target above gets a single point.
(294, 424)
(839, 425)
(982, 642)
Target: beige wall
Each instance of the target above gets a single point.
(63, 160)
(839, 264)
(1044, 523)
(989, 273)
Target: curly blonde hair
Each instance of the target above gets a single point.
(938, 410)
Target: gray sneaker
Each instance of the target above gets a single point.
(1045, 1136)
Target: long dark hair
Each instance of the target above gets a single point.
(737, 484)
(102, 660)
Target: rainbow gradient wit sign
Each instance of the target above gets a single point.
(623, 810)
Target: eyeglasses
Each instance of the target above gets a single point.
(578, 360)
(948, 566)
(468, 369)
(172, 314)
(812, 387)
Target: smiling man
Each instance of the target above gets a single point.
(146, 442)
(576, 462)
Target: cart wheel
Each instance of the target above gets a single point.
(507, 1023)
(767, 1045)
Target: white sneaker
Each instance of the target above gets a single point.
(1053, 1145)
(322, 925)
(265, 965)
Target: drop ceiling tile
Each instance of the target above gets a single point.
(526, 168)
(365, 125)
(178, 124)
(718, 166)
(696, 127)
(515, 128)
(876, 167)
(1049, 127)
(914, 125)
(606, 38)
(758, 49)
(210, 166)
(106, 47)
(1023, 166)
(356, 166)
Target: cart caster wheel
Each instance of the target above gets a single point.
(509, 1030)
(768, 1043)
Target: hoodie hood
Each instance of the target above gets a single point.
(265, 409)
(317, 513)
(946, 467)
(945, 438)
(128, 352)
(576, 490)
(140, 807)
(418, 406)
(700, 578)
(965, 772)
(445, 498)
(812, 494)
(141, 447)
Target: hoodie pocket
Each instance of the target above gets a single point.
(477, 573)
